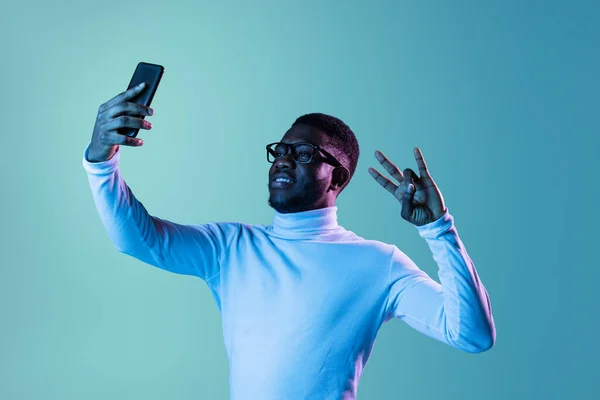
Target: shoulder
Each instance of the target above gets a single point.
(223, 232)
(236, 228)
(387, 253)
(375, 245)
(376, 248)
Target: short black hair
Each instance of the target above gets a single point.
(341, 136)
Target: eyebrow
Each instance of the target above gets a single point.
(302, 141)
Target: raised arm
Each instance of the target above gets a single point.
(457, 311)
(183, 249)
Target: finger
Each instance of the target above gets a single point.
(410, 174)
(423, 170)
(126, 95)
(389, 166)
(407, 202)
(125, 121)
(128, 108)
(383, 181)
(113, 137)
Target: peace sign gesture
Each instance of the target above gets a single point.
(421, 199)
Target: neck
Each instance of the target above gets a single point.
(305, 224)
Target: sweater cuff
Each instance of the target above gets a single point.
(437, 228)
(101, 167)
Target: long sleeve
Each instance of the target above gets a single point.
(457, 311)
(182, 249)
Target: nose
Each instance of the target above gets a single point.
(285, 161)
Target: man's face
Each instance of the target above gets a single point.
(311, 183)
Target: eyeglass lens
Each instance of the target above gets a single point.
(300, 152)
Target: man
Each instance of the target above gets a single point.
(301, 299)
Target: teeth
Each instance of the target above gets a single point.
(283, 180)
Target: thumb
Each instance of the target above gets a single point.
(407, 202)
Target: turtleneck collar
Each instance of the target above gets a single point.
(305, 224)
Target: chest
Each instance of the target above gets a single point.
(312, 283)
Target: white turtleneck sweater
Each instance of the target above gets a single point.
(302, 299)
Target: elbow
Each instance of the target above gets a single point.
(479, 343)
(475, 341)
(479, 347)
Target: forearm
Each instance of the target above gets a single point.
(125, 219)
(464, 305)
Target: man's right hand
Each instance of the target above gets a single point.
(112, 115)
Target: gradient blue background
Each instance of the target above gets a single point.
(502, 98)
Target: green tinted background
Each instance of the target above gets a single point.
(502, 98)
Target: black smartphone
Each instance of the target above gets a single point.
(151, 74)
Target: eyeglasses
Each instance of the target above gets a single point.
(302, 153)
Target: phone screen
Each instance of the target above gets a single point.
(151, 74)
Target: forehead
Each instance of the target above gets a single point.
(305, 133)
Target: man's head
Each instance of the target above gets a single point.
(315, 184)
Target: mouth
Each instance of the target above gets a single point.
(281, 184)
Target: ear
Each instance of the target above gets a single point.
(339, 178)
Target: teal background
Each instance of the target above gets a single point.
(501, 97)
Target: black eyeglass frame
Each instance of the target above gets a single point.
(328, 157)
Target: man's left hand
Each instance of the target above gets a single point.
(421, 200)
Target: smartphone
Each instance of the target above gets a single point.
(151, 74)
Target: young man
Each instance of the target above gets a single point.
(301, 299)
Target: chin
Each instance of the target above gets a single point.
(283, 204)
(279, 206)
(286, 202)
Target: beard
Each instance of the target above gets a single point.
(297, 199)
